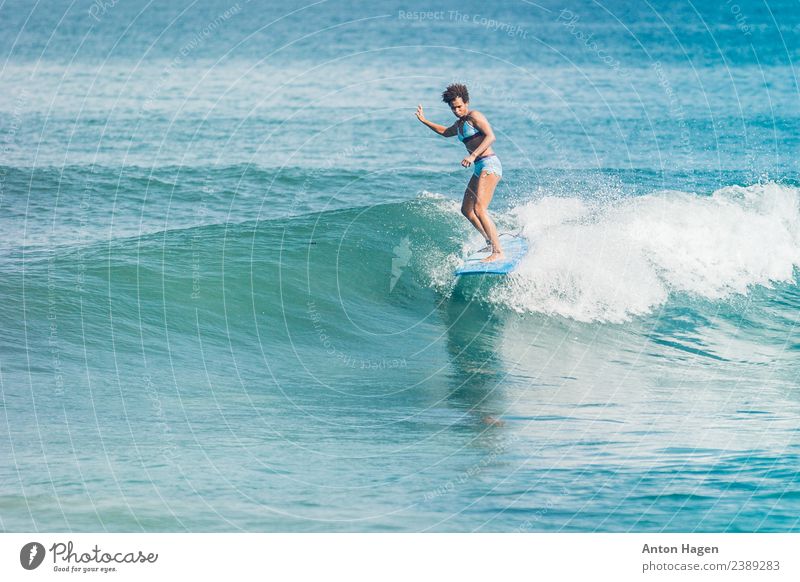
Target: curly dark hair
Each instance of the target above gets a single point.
(455, 90)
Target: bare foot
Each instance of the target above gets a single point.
(495, 256)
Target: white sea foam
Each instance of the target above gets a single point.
(426, 195)
(615, 261)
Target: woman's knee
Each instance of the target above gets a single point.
(468, 205)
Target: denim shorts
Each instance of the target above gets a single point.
(489, 164)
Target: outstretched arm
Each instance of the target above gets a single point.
(440, 129)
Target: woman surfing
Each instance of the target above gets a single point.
(474, 130)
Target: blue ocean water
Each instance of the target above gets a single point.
(227, 255)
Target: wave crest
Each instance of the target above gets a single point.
(614, 261)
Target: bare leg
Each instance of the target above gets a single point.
(485, 191)
(468, 206)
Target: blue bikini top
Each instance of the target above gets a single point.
(467, 131)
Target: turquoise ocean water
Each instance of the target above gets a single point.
(227, 254)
